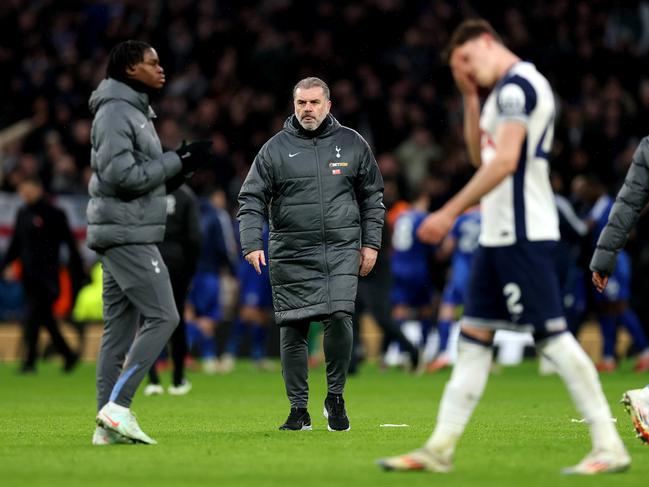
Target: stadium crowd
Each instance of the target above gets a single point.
(231, 66)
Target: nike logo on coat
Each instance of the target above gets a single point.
(143, 125)
(293, 155)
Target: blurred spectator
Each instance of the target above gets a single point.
(415, 155)
(39, 232)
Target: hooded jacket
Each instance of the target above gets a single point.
(127, 188)
(323, 196)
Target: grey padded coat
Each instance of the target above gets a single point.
(127, 188)
(324, 199)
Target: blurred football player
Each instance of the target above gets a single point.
(255, 306)
(513, 282)
(412, 285)
(460, 243)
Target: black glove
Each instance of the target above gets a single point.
(175, 182)
(195, 155)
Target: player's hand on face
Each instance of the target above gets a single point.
(435, 227)
(600, 281)
(256, 258)
(368, 259)
(463, 79)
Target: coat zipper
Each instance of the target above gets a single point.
(322, 225)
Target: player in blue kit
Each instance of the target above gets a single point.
(255, 306)
(460, 243)
(412, 286)
(218, 253)
(513, 282)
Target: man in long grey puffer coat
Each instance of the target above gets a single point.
(126, 219)
(322, 190)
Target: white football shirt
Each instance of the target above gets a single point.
(521, 207)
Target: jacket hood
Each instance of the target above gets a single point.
(292, 126)
(112, 90)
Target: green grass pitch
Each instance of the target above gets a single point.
(225, 432)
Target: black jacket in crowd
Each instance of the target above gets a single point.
(323, 194)
(39, 231)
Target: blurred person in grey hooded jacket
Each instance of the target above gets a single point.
(630, 201)
(126, 219)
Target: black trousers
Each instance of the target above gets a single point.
(178, 341)
(38, 312)
(294, 355)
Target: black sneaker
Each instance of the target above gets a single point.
(26, 369)
(71, 362)
(297, 420)
(416, 362)
(335, 413)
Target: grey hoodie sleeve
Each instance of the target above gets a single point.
(254, 198)
(369, 192)
(631, 199)
(129, 173)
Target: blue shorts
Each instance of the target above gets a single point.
(619, 283)
(204, 295)
(453, 293)
(412, 293)
(255, 290)
(455, 289)
(516, 288)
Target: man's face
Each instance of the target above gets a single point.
(29, 192)
(477, 59)
(311, 107)
(148, 71)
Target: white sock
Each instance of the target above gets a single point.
(582, 381)
(461, 395)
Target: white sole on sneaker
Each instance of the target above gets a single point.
(326, 415)
(600, 462)
(416, 461)
(153, 390)
(180, 390)
(103, 437)
(303, 428)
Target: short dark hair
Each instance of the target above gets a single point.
(466, 31)
(33, 180)
(125, 55)
(312, 82)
